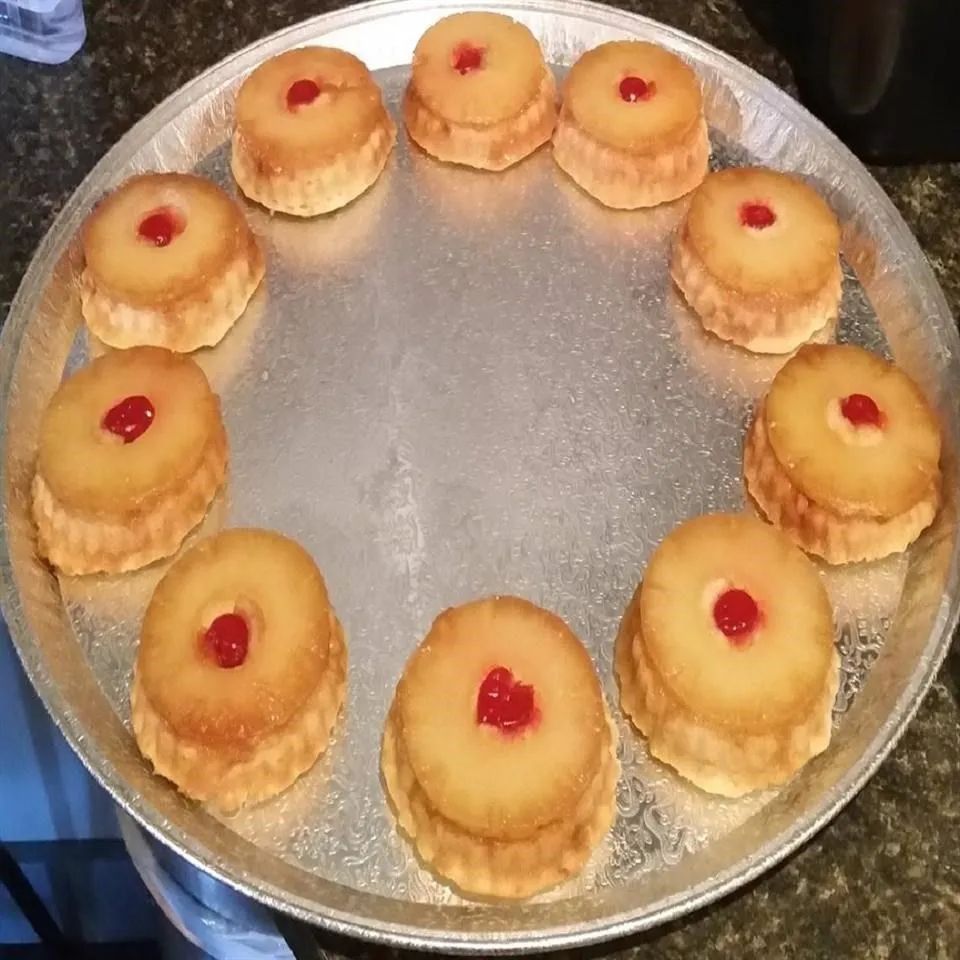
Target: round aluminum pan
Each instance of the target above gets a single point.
(465, 384)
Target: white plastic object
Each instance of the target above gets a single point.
(47, 31)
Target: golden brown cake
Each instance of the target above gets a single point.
(169, 262)
(132, 450)
(631, 131)
(311, 132)
(499, 756)
(480, 93)
(725, 655)
(844, 455)
(241, 669)
(757, 259)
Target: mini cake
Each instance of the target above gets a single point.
(499, 753)
(631, 131)
(132, 450)
(757, 259)
(169, 262)
(311, 132)
(725, 655)
(480, 93)
(844, 455)
(241, 669)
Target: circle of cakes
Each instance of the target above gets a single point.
(844, 455)
(132, 451)
(480, 93)
(757, 258)
(311, 132)
(631, 130)
(241, 669)
(169, 261)
(725, 655)
(499, 753)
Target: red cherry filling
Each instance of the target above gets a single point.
(633, 89)
(861, 410)
(129, 419)
(757, 216)
(467, 57)
(736, 615)
(301, 93)
(504, 702)
(228, 639)
(160, 227)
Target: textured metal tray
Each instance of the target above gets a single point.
(469, 383)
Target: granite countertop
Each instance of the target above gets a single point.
(884, 879)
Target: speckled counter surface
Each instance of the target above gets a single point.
(884, 879)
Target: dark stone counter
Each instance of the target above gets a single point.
(884, 879)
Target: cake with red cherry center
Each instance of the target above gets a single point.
(169, 262)
(311, 132)
(844, 455)
(631, 131)
(480, 93)
(241, 669)
(132, 450)
(725, 655)
(757, 258)
(499, 755)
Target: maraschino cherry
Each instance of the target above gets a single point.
(159, 227)
(736, 615)
(130, 418)
(861, 410)
(633, 89)
(757, 216)
(301, 93)
(467, 57)
(504, 702)
(228, 639)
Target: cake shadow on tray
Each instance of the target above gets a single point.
(645, 230)
(463, 199)
(330, 240)
(122, 597)
(725, 364)
(225, 361)
(289, 812)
